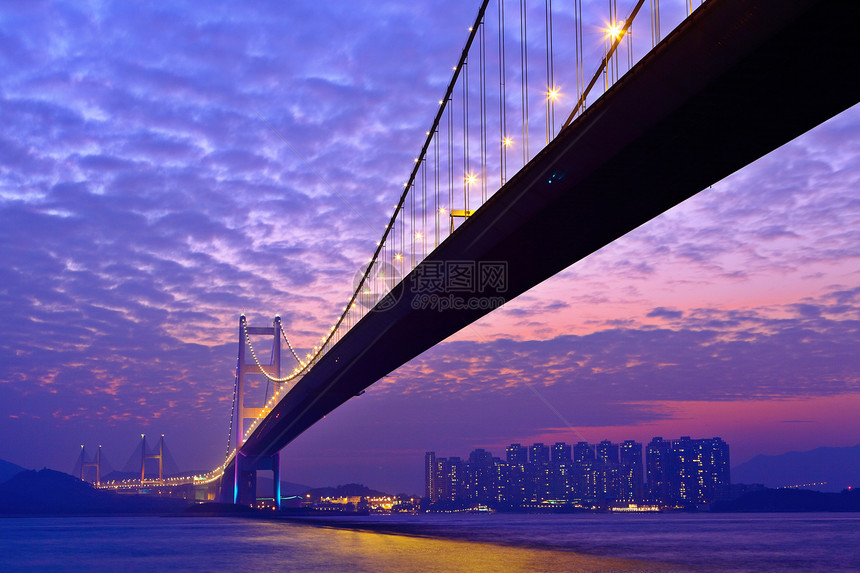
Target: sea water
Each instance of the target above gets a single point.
(447, 542)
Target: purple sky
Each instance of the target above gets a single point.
(145, 203)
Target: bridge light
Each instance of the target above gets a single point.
(552, 93)
(507, 142)
(471, 178)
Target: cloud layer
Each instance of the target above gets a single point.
(165, 168)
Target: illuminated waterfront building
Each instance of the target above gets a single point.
(632, 477)
(683, 472)
(687, 472)
(431, 489)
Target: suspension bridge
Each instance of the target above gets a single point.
(555, 136)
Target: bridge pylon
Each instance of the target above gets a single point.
(240, 487)
(97, 464)
(159, 456)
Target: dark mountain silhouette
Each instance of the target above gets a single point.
(9, 470)
(347, 490)
(791, 500)
(264, 487)
(48, 492)
(838, 467)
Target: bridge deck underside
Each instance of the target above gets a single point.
(735, 81)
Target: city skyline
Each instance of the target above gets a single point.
(165, 169)
(684, 472)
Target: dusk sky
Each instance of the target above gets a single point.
(165, 167)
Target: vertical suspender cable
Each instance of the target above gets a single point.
(524, 79)
(450, 165)
(655, 22)
(483, 90)
(436, 188)
(614, 15)
(629, 36)
(550, 74)
(580, 71)
(503, 128)
(466, 166)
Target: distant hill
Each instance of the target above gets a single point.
(791, 500)
(839, 467)
(48, 492)
(264, 486)
(347, 490)
(9, 470)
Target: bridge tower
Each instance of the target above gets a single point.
(97, 464)
(159, 456)
(244, 478)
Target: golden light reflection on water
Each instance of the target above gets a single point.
(352, 550)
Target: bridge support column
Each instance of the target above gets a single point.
(245, 478)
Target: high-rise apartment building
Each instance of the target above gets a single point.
(632, 477)
(430, 471)
(561, 453)
(658, 466)
(687, 472)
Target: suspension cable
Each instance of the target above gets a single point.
(296, 373)
(290, 346)
(602, 66)
(232, 414)
(400, 205)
